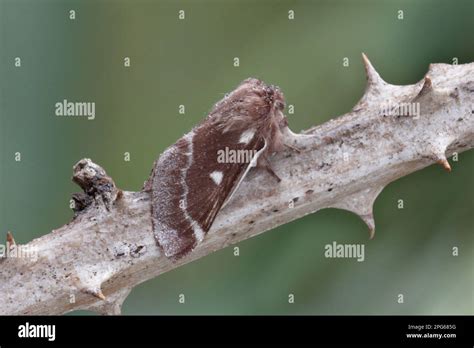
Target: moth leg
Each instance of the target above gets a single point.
(263, 163)
(293, 147)
(270, 171)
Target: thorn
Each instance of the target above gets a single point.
(371, 233)
(427, 87)
(444, 163)
(373, 77)
(100, 295)
(96, 292)
(119, 195)
(10, 240)
(428, 83)
(369, 221)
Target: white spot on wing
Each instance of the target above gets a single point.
(247, 136)
(216, 176)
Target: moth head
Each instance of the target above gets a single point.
(253, 104)
(267, 98)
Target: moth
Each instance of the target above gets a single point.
(195, 177)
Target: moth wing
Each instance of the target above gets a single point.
(195, 185)
(211, 180)
(253, 163)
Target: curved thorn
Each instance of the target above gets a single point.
(444, 163)
(10, 240)
(99, 294)
(369, 221)
(96, 292)
(373, 77)
(427, 87)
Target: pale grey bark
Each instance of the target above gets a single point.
(108, 248)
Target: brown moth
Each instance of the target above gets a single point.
(195, 177)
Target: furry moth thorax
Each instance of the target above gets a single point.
(195, 177)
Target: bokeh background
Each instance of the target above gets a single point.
(190, 62)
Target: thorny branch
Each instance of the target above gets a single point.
(108, 248)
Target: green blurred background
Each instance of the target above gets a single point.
(190, 62)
